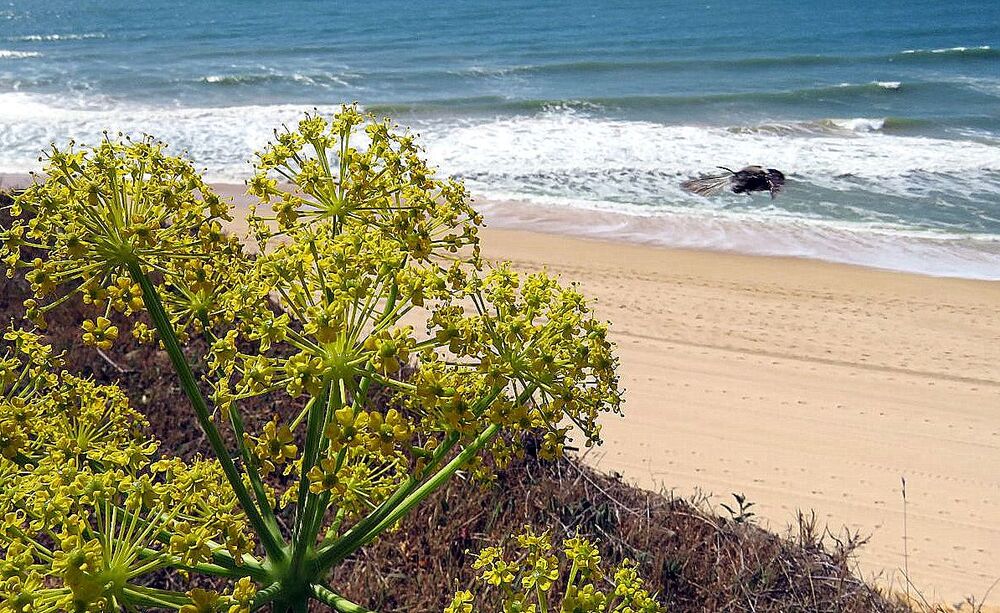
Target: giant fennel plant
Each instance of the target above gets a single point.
(363, 265)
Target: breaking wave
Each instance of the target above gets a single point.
(848, 177)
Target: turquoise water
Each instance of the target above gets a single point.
(885, 115)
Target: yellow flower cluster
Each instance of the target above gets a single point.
(101, 212)
(522, 581)
(85, 504)
(316, 173)
(367, 281)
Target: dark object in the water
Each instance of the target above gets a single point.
(742, 181)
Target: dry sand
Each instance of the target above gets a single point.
(805, 385)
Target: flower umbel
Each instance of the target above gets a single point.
(102, 209)
(524, 580)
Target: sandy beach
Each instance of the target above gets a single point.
(805, 385)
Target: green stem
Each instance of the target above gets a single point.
(572, 578)
(349, 542)
(334, 528)
(151, 298)
(338, 602)
(253, 471)
(543, 602)
(147, 596)
(265, 596)
(228, 568)
(249, 460)
(434, 482)
(353, 541)
(304, 537)
(366, 529)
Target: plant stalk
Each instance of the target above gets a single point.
(338, 602)
(269, 540)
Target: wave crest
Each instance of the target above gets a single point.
(16, 55)
(56, 37)
(324, 80)
(984, 51)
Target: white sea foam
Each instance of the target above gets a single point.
(975, 257)
(888, 84)
(323, 80)
(15, 55)
(546, 152)
(567, 158)
(218, 139)
(948, 50)
(859, 124)
(57, 37)
(961, 49)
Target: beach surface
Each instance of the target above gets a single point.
(806, 386)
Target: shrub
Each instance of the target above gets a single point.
(361, 245)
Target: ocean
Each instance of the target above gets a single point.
(580, 117)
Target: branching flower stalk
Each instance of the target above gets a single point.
(366, 278)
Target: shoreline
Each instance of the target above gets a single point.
(804, 384)
(923, 254)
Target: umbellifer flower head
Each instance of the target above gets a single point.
(99, 211)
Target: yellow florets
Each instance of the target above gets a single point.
(393, 356)
(99, 333)
(523, 580)
(83, 503)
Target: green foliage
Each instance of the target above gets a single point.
(740, 513)
(365, 263)
(84, 499)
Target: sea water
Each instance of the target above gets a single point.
(885, 116)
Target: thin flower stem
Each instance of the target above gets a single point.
(270, 540)
(396, 506)
(338, 602)
(334, 528)
(574, 569)
(302, 415)
(249, 460)
(348, 542)
(140, 594)
(433, 483)
(253, 469)
(315, 422)
(543, 603)
(206, 568)
(356, 537)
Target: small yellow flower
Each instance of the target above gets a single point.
(202, 601)
(275, 447)
(99, 333)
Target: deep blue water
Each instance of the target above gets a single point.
(885, 115)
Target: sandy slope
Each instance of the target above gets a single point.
(807, 386)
